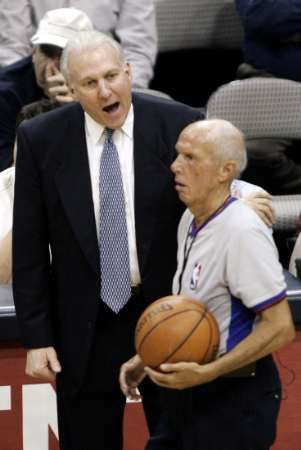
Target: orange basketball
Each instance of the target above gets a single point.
(175, 329)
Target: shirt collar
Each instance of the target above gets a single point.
(95, 129)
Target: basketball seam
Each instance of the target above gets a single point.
(210, 337)
(186, 338)
(167, 318)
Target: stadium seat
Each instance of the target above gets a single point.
(260, 107)
(197, 24)
(266, 108)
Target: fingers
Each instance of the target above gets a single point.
(159, 378)
(56, 79)
(59, 90)
(123, 380)
(260, 194)
(60, 93)
(56, 85)
(54, 364)
(266, 212)
(263, 207)
(133, 395)
(42, 363)
(128, 388)
(64, 98)
(131, 374)
(178, 376)
(270, 217)
(175, 367)
(41, 373)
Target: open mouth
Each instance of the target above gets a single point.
(111, 108)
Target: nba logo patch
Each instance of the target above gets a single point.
(195, 276)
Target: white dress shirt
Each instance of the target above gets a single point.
(123, 139)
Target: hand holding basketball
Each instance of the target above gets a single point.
(182, 375)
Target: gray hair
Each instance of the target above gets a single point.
(227, 142)
(88, 40)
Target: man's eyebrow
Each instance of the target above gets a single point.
(87, 77)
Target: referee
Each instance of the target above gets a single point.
(227, 259)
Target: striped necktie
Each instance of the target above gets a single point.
(113, 237)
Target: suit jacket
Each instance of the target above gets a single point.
(57, 298)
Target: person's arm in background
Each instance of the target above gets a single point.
(5, 259)
(136, 30)
(15, 31)
(256, 198)
(276, 19)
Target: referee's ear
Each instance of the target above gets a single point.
(227, 171)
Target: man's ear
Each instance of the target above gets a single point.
(128, 70)
(72, 91)
(227, 170)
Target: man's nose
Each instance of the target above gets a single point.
(175, 165)
(103, 89)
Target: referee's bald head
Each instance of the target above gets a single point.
(225, 141)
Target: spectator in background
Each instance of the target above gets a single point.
(131, 23)
(7, 182)
(272, 48)
(37, 77)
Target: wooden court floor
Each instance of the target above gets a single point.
(14, 410)
(289, 425)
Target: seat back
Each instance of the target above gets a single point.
(197, 24)
(263, 108)
(259, 107)
(287, 209)
(266, 108)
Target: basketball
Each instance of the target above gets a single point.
(176, 329)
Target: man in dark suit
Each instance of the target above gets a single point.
(73, 332)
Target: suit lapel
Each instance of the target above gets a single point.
(151, 176)
(74, 186)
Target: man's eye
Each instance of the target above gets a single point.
(90, 83)
(111, 76)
